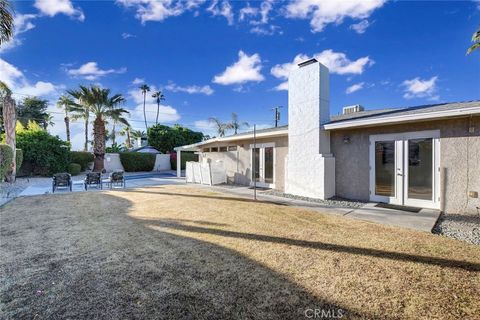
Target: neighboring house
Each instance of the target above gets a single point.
(425, 156)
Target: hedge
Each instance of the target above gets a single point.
(19, 158)
(74, 169)
(83, 158)
(6, 158)
(186, 156)
(137, 161)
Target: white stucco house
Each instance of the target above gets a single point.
(425, 156)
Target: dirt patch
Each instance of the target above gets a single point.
(178, 252)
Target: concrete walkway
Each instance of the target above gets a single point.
(424, 220)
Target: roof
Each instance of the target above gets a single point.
(364, 119)
(407, 114)
(145, 149)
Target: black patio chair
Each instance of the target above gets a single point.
(93, 179)
(116, 178)
(61, 180)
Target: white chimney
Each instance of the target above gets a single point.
(310, 168)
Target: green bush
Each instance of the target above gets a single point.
(165, 138)
(19, 158)
(82, 158)
(6, 158)
(186, 156)
(43, 154)
(74, 169)
(137, 161)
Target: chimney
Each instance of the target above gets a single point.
(310, 168)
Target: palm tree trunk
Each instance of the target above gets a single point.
(98, 144)
(85, 147)
(113, 132)
(67, 127)
(158, 110)
(128, 142)
(144, 112)
(9, 122)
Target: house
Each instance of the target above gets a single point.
(424, 156)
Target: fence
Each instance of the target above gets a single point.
(209, 173)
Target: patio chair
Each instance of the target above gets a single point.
(116, 178)
(93, 179)
(61, 180)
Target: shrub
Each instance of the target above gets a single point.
(43, 154)
(165, 138)
(186, 156)
(6, 158)
(83, 158)
(19, 158)
(74, 169)
(137, 161)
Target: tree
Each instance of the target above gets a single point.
(219, 126)
(6, 21)
(476, 41)
(65, 103)
(126, 132)
(145, 88)
(235, 124)
(102, 105)
(80, 109)
(158, 95)
(34, 109)
(165, 138)
(9, 123)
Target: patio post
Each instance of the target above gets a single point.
(179, 163)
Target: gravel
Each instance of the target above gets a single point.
(334, 202)
(460, 227)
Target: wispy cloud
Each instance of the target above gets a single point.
(91, 71)
(192, 89)
(420, 88)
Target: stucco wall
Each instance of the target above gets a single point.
(459, 160)
(237, 163)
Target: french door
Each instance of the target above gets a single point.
(405, 169)
(262, 161)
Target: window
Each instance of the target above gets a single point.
(223, 149)
(215, 149)
(232, 148)
(206, 150)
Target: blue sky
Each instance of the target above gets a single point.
(212, 58)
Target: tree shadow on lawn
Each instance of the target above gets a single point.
(109, 265)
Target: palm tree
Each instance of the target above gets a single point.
(219, 126)
(235, 124)
(9, 123)
(115, 117)
(6, 21)
(476, 41)
(160, 97)
(145, 88)
(126, 132)
(99, 103)
(80, 109)
(138, 134)
(64, 103)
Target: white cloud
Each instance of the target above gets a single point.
(206, 90)
(54, 7)
(266, 31)
(247, 12)
(355, 87)
(138, 81)
(324, 12)
(360, 27)
(153, 10)
(336, 62)
(22, 23)
(90, 71)
(420, 88)
(224, 9)
(246, 69)
(127, 35)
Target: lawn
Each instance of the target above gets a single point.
(181, 252)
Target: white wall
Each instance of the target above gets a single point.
(310, 168)
(112, 162)
(162, 162)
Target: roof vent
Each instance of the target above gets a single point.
(306, 63)
(352, 109)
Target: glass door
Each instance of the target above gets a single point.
(263, 165)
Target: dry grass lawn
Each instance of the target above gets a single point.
(180, 252)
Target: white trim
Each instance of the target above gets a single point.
(402, 118)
